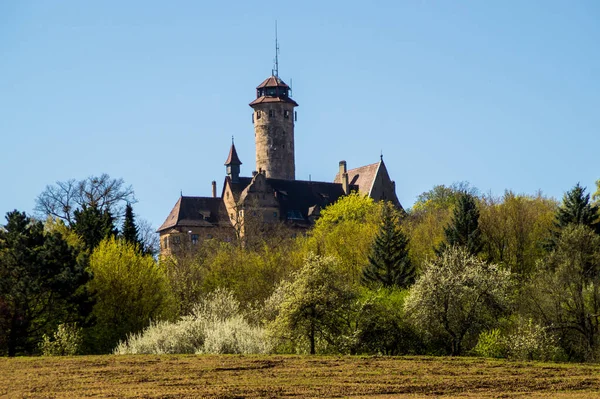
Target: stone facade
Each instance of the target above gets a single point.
(274, 137)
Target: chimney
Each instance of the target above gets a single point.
(344, 177)
(214, 189)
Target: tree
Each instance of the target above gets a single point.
(346, 230)
(577, 209)
(457, 297)
(64, 198)
(463, 229)
(513, 229)
(596, 195)
(314, 313)
(42, 283)
(389, 264)
(129, 232)
(93, 225)
(565, 294)
(130, 288)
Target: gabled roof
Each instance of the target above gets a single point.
(233, 158)
(195, 212)
(363, 177)
(272, 81)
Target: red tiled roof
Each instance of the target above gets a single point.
(362, 177)
(265, 99)
(233, 158)
(272, 81)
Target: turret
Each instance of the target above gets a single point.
(233, 164)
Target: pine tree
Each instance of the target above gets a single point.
(389, 264)
(577, 209)
(93, 225)
(464, 230)
(130, 232)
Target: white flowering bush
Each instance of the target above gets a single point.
(530, 341)
(216, 325)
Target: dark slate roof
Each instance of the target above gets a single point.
(362, 177)
(196, 212)
(233, 158)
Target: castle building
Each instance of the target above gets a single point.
(272, 194)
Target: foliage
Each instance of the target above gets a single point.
(345, 230)
(129, 231)
(565, 293)
(216, 325)
(102, 192)
(576, 208)
(381, 325)
(93, 225)
(67, 341)
(42, 283)
(457, 297)
(513, 229)
(531, 341)
(130, 289)
(389, 263)
(491, 343)
(463, 229)
(429, 215)
(316, 308)
(596, 195)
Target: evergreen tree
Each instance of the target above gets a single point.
(463, 229)
(389, 264)
(42, 284)
(93, 225)
(577, 209)
(130, 232)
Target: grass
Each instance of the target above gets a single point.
(185, 376)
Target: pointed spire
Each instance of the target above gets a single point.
(233, 158)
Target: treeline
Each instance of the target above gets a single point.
(460, 273)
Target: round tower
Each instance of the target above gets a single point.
(273, 120)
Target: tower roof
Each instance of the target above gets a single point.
(272, 81)
(233, 158)
(273, 90)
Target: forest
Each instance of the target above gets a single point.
(459, 273)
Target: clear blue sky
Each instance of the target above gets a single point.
(503, 94)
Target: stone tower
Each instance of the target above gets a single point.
(273, 120)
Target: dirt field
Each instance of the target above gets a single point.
(291, 376)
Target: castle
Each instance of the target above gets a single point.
(272, 194)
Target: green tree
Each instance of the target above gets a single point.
(565, 294)
(457, 297)
(130, 288)
(129, 231)
(513, 229)
(314, 313)
(346, 230)
(576, 208)
(389, 263)
(596, 195)
(42, 283)
(463, 229)
(93, 225)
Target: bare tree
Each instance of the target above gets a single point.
(148, 237)
(63, 198)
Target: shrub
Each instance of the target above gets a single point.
(67, 340)
(491, 343)
(530, 341)
(216, 325)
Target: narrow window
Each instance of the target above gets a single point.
(195, 239)
(257, 114)
(286, 114)
(270, 113)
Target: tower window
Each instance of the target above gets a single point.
(257, 114)
(271, 113)
(286, 114)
